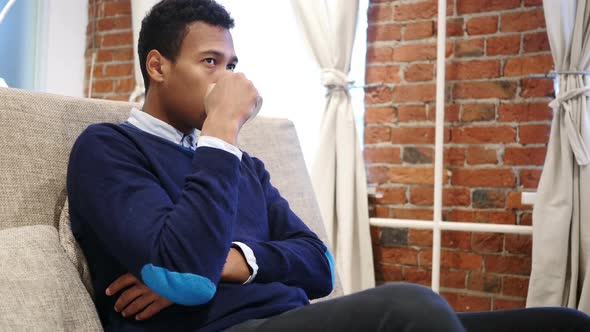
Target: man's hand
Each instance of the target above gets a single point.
(138, 299)
(229, 104)
(235, 269)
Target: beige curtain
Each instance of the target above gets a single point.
(561, 216)
(338, 173)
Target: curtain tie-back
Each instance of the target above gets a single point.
(334, 79)
(575, 138)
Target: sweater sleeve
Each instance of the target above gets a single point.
(295, 255)
(178, 250)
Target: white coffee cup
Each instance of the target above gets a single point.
(257, 105)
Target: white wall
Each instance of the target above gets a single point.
(62, 45)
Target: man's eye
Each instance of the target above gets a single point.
(231, 67)
(210, 61)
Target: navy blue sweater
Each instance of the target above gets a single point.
(167, 214)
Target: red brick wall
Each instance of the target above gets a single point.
(109, 28)
(496, 129)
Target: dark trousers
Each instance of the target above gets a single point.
(409, 307)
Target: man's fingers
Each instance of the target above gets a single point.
(157, 306)
(137, 299)
(128, 296)
(123, 281)
(139, 304)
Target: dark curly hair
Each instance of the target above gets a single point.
(165, 26)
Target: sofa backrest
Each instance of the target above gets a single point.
(37, 132)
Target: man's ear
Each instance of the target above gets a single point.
(157, 66)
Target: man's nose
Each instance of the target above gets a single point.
(219, 74)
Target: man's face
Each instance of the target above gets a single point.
(206, 52)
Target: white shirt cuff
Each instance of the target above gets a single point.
(214, 142)
(250, 259)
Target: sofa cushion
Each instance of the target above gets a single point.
(40, 289)
(72, 248)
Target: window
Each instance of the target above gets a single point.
(19, 45)
(42, 45)
(273, 54)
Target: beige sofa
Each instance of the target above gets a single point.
(43, 275)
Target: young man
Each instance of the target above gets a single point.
(183, 231)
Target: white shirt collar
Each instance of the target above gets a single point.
(155, 126)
